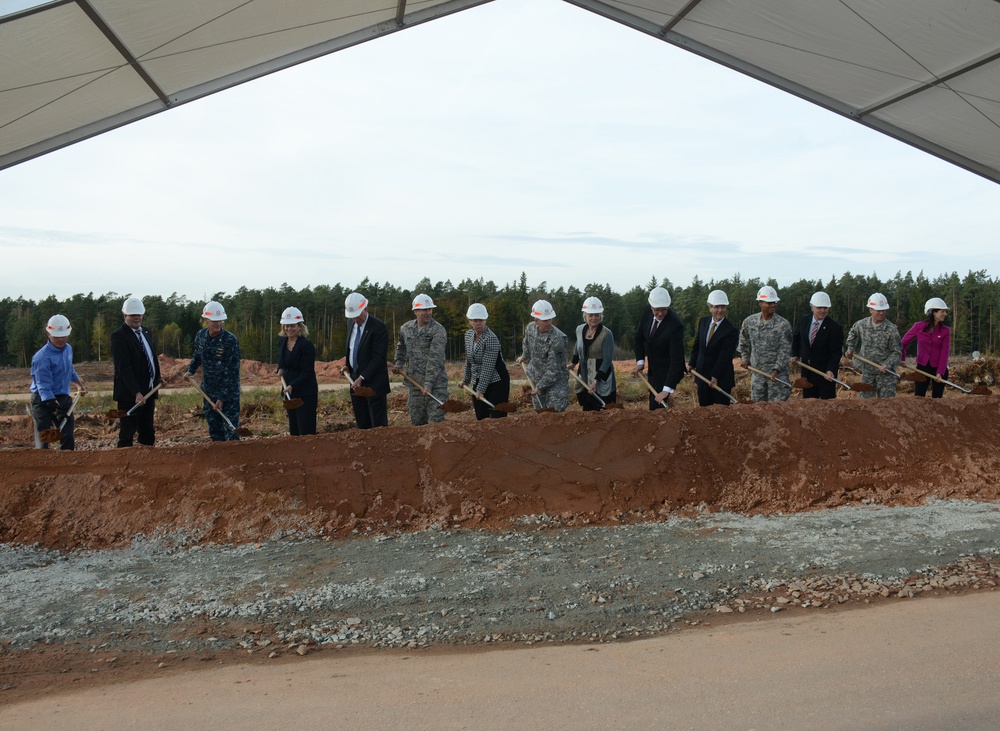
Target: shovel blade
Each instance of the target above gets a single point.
(915, 377)
(454, 406)
(506, 407)
(243, 431)
(114, 414)
(802, 383)
(862, 387)
(981, 390)
(50, 435)
(292, 404)
(614, 405)
(364, 392)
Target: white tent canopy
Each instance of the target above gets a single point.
(926, 72)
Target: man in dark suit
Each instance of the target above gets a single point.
(367, 351)
(714, 350)
(137, 371)
(818, 341)
(660, 337)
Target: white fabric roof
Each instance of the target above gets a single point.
(926, 72)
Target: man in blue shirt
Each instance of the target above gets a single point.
(51, 374)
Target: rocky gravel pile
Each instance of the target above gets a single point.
(458, 587)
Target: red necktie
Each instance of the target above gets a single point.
(812, 333)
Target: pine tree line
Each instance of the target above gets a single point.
(253, 314)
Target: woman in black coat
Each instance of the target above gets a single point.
(297, 365)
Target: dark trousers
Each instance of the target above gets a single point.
(302, 421)
(370, 412)
(218, 429)
(140, 421)
(821, 388)
(44, 420)
(937, 389)
(496, 393)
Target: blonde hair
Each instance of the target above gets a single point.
(303, 330)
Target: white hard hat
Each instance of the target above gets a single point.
(423, 302)
(717, 297)
(213, 311)
(934, 303)
(593, 306)
(878, 302)
(659, 297)
(767, 294)
(820, 299)
(477, 312)
(292, 316)
(133, 306)
(542, 310)
(355, 304)
(58, 326)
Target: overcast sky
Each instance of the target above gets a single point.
(523, 135)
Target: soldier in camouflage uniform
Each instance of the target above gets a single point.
(766, 344)
(421, 349)
(544, 352)
(218, 351)
(876, 339)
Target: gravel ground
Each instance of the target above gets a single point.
(452, 587)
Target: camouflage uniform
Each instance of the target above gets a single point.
(767, 344)
(220, 357)
(545, 357)
(880, 343)
(424, 348)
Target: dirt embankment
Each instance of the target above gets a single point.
(576, 468)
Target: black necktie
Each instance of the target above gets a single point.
(652, 330)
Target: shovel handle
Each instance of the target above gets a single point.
(410, 380)
(584, 384)
(651, 389)
(154, 390)
(873, 364)
(476, 395)
(716, 386)
(212, 404)
(817, 371)
(934, 377)
(72, 408)
(767, 375)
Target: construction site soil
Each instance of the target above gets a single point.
(541, 527)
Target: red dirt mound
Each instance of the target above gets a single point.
(575, 468)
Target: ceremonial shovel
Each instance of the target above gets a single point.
(451, 406)
(856, 387)
(805, 382)
(604, 405)
(506, 407)
(119, 414)
(241, 431)
(917, 377)
(289, 403)
(535, 401)
(52, 434)
(717, 387)
(651, 389)
(978, 390)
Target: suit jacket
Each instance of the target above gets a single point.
(827, 348)
(299, 366)
(665, 352)
(131, 369)
(372, 353)
(715, 360)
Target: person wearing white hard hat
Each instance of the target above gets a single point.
(217, 352)
(485, 370)
(818, 341)
(660, 340)
(137, 372)
(594, 358)
(365, 362)
(52, 374)
(876, 339)
(766, 344)
(933, 346)
(297, 366)
(543, 353)
(713, 351)
(422, 350)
